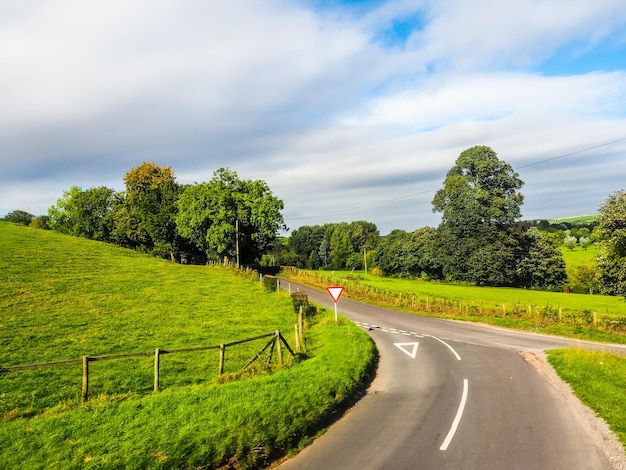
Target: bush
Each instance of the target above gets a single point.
(270, 282)
(300, 299)
(376, 272)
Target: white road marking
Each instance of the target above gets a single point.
(403, 347)
(458, 358)
(457, 418)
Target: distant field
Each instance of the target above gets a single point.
(65, 297)
(578, 257)
(580, 219)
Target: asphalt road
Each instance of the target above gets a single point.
(451, 395)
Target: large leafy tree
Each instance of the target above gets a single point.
(85, 213)
(226, 211)
(612, 261)
(480, 203)
(146, 216)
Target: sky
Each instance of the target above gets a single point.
(349, 110)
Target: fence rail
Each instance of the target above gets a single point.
(275, 343)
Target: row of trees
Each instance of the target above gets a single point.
(226, 216)
(480, 238)
(342, 245)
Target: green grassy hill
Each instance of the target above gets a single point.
(65, 297)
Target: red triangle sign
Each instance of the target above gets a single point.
(335, 292)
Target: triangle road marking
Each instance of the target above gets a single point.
(410, 349)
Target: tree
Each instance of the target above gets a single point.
(612, 260)
(570, 242)
(341, 247)
(226, 212)
(85, 213)
(480, 203)
(584, 242)
(408, 254)
(19, 217)
(541, 264)
(586, 277)
(146, 216)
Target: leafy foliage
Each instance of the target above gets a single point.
(341, 245)
(19, 217)
(612, 261)
(85, 213)
(216, 214)
(146, 215)
(480, 203)
(542, 264)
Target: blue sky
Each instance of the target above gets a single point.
(349, 110)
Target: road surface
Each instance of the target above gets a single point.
(451, 395)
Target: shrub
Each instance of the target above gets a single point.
(270, 282)
(376, 272)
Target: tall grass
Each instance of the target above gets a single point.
(65, 297)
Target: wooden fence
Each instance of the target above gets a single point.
(276, 338)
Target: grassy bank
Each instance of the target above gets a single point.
(65, 297)
(599, 380)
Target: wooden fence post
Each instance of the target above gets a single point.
(222, 351)
(595, 318)
(157, 354)
(85, 379)
(300, 328)
(297, 337)
(279, 349)
(560, 315)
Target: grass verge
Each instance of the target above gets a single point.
(599, 380)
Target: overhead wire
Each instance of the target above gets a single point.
(428, 191)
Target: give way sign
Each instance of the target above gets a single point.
(335, 292)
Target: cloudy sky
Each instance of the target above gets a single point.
(349, 110)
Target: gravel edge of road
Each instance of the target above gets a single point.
(596, 427)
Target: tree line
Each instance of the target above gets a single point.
(224, 217)
(480, 240)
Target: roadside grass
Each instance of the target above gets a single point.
(65, 297)
(599, 380)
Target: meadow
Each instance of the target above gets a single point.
(65, 297)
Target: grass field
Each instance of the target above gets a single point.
(65, 297)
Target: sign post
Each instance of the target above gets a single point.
(335, 293)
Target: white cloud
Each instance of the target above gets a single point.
(311, 101)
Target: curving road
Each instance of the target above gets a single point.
(451, 395)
